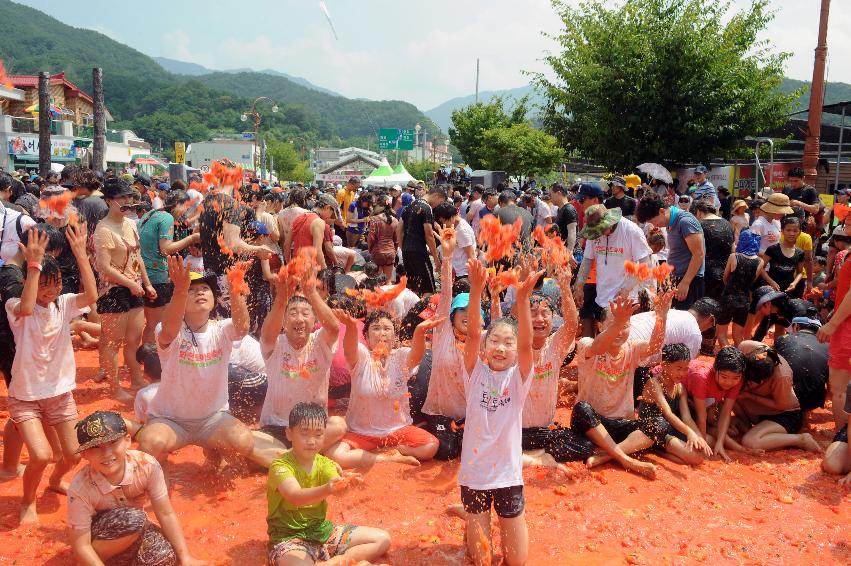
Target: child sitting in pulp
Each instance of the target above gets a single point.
(105, 499)
(300, 482)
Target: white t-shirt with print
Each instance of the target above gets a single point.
(246, 354)
(296, 376)
(680, 328)
(379, 405)
(194, 383)
(464, 238)
(767, 230)
(400, 306)
(605, 381)
(492, 452)
(44, 357)
(540, 407)
(627, 243)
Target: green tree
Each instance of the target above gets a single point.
(285, 157)
(662, 80)
(470, 122)
(520, 149)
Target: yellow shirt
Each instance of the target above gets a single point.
(805, 242)
(344, 199)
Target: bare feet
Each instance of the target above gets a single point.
(457, 510)
(597, 460)
(29, 516)
(57, 485)
(399, 458)
(809, 443)
(6, 475)
(544, 460)
(646, 469)
(122, 395)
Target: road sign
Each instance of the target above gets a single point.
(396, 138)
(179, 152)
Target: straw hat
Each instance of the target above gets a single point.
(777, 203)
(738, 204)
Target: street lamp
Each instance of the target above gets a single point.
(253, 112)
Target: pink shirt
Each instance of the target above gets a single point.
(90, 492)
(701, 384)
(605, 381)
(340, 374)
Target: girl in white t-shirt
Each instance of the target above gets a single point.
(379, 414)
(496, 382)
(43, 371)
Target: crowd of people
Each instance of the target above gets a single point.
(318, 332)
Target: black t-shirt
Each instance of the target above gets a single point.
(783, 268)
(808, 359)
(415, 217)
(509, 215)
(217, 210)
(805, 194)
(565, 216)
(11, 286)
(68, 266)
(626, 204)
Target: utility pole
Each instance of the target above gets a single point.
(98, 144)
(477, 80)
(811, 145)
(43, 124)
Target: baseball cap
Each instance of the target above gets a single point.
(211, 280)
(803, 320)
(163, 187)
(101, 427)
(589, 190)
(619, 181)
(701, 169)
(325, 199)
(766, 294)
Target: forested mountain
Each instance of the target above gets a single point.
(163, 107)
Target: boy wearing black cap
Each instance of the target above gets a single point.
(105, 499)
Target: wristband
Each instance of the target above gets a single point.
(34, 265)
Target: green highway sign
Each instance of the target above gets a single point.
(396, 138)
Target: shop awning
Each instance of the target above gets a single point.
(146, 161)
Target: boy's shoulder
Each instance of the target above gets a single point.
(286, 466)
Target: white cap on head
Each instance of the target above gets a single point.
(337, 240)
(397, 187)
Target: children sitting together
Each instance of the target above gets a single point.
(490, 396)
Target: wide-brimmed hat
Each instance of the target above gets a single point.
(738, 204)
(101, 427)
(777, 203)
(766, 294)
(598, 219)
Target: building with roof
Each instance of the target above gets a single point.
(338, 165)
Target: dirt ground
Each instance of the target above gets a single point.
(779, 509)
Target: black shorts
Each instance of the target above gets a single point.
(842, 435)
(584, 418)
(563, 444)
(792, 421)
(590, 308)
(164, 293)
(508, 501)
(737, 314)
(659, 430)
(449, 434)
(119, 300)
(7, 357)
(278, 433)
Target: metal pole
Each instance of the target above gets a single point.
(99, 145)
(262, 159)
(256, 157)
(477, 80)
(811, 147)
(839, 150)
(43, 124)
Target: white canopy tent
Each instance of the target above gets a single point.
(385, 176)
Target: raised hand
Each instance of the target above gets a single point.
(527, 284)
(427, 325)
(477, 274)
(178, 271)
(662, 303)
(621, 308)
(36, 246)
(349, 320)
(76, 236)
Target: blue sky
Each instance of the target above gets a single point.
(421, 51)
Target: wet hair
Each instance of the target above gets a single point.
(350, 305)
(297, 299)
(149, 358)
(656, 237)
(375, 316)
(49, 270)
(504, 321)
(311, 414)
(678, 352)
(730, 358)
(461, 285)
(649, 206)
(55, 238)
(704, 205)
(545, 299)
(760, 364)
(328, 279)
(372, 282)
(821, 260)
(797, 172)
(178, 185)
(298, 197)
(791, 219)
(444, 211)
(370, 269)
(706, 306)
(412, 318)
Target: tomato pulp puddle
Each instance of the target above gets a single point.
(776, 509)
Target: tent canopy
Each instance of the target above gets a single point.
(386, 176)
